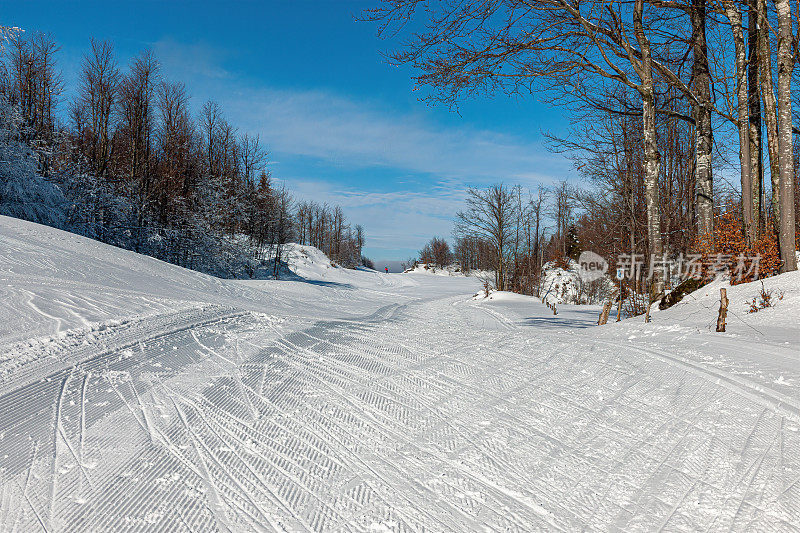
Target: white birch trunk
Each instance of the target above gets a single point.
(743, 115)
(652, 155)
(786, 178)
(704, 143)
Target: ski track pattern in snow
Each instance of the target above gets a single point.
(429, 412)
(390, 421)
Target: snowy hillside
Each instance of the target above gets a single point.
(137, 395)
(63, 281)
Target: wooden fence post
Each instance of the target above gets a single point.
(604, 313)
(723, 310)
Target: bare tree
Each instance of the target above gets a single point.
(770, 104)
(436, 253)
(562, 212)
(99, 80)
(489, 217)
(360, 240)
(537, 209)
(750, 205)
(253, 158)
(137, 104)
(174, 135)
(210, 119)
(37, 84)
(754, 105)
(778, 121)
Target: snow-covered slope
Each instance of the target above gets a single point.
(53, 281)
(59, 289)
(781, 323)
(153, 398)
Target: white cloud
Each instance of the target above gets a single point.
(348, 133)
(398, 220)
(182, 61)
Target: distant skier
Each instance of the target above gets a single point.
(386, 269)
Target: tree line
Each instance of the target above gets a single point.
(667, 99)
(510, 233)
(140, 169)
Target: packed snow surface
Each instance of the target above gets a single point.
(135, 395)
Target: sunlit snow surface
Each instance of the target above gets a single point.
(135, 395)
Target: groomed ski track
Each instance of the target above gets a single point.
(427, 411)
(408, 419)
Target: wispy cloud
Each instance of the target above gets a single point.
(346, 132)
(182, 61)
(397, 221)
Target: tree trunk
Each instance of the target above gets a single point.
(723, 310)
(704, 144)
(770, 108)
(754, 102)
(604, 313)
(652, 156)
(786, 185)
(500, 273)
(743, 124)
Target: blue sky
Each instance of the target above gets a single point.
(342, 126)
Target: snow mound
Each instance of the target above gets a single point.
(453, 270)
(307, 261)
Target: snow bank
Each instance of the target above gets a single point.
(307, 261)
(698, 310)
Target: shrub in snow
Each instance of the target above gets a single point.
(765, 298)
(561, 283)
